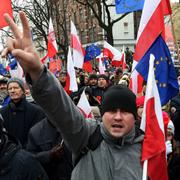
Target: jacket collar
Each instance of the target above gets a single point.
(129, 138)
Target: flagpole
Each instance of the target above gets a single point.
(145, 165)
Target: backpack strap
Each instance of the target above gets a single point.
(94, 141)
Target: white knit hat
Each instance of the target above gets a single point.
(170, 127)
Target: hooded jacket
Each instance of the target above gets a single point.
(113, 159)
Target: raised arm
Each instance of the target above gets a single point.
(47, 91)
(22, 47)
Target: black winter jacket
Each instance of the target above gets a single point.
(20, 117)
(17, 164)
(42, 138)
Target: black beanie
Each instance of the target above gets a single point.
(93, 76)
(103, 76)
(119, 96)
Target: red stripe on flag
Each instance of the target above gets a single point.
(153, 28)
(108, 53)
(140, 81)
(5, 7)
(117, 63)
(84, 114)
(51, 49)
(152, 145)
(66, 88)
(158, 171)
(88, 67)
(75, 44)
(153, 148)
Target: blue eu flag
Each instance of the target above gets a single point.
(3, 71)
(91, 52)
(165, 73)
(125, 6)
(12, 61)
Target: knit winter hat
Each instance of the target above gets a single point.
(119, 96)
(103, 76)
(17, 80)
(170, 127)
(93, 76)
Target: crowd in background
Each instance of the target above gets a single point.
(25, 121)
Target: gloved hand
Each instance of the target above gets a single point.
(168, 147)
(56, 152)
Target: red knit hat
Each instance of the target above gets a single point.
(166, 120)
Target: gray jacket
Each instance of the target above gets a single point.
(113, 159)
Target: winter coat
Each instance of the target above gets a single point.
(98, 92)
(17, 164)
(20, 117)
(113, 159)
(174, 168)
(42, 138)
(176, 122)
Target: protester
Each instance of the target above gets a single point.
(172, 152)
(174, 105)
(15, 163)
(19, 115)
(93, 101)
(46, 143)
(102, 86)
(118, 154)
(63, 77)
(117, 75)
(29, 97)
(4, 97)
(125, 80)
(93, 79)
(63, 81)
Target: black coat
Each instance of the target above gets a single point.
(174, 168)
(42, 138)
(20, 117)
(176, 121)
(17, 164)
(98, 92)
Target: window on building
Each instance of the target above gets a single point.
(125, 26)
(126, 33)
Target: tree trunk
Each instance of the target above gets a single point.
(109, 35)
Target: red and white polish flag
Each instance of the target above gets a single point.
(151, 26)
(111, 52)
(71, 74)
(84, 106)
(102, 67)
(77, 49)
(52, 45)
(5, 7)
(153, 149)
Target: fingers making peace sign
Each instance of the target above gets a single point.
(22, 47)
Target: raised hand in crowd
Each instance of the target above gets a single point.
(22, 47)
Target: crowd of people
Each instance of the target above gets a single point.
(43, 135)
